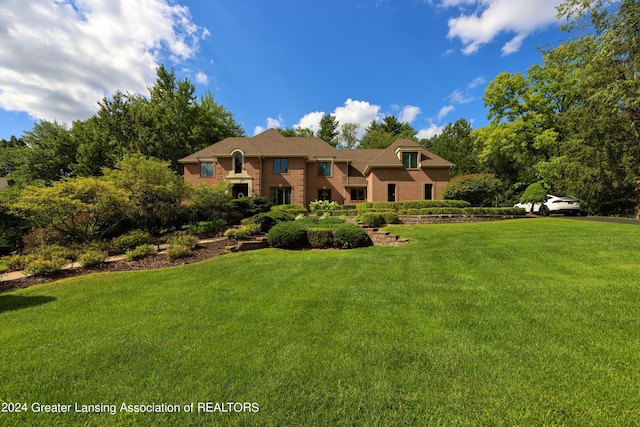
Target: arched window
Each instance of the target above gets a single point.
(237, 163)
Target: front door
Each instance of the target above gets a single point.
(391, 192)
(240, 190)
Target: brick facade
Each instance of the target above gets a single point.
(367, 175)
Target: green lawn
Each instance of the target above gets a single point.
(522, 322)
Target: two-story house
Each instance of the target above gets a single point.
(299, 170)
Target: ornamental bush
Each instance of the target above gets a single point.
(92, 258)
(323, 205)
(243, 232)
(187, 240)
(350, 236)
(131, 240)
(372, 219)
(478, 189)
(288, 235)
(292, 209)
(320, 238)
(390, 218)
(140, 252)
(178, 251)
(267, 220)
(41, 267)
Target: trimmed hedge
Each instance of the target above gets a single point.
(317, 233)
(410, 204)
(288, 235)
(350, 236)
(463, 211)
(320, 238)
(292, 209)
(372, 219)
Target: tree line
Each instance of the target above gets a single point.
(569, 123)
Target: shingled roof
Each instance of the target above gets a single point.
(272, 143)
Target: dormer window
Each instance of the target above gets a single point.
(237, 163)
(410, 160)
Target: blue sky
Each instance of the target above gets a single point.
(279, 63)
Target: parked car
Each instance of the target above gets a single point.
(554, 205)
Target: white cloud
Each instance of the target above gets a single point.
(494, 17)
(476, 82)
(459, 97)
(59, 58)
(202, 78)
(271, 124)
(444, 111)
(409, 114)
(361, 113)
(429, 132)
(310, 121)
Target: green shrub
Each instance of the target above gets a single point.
(267, 220)
(178, 251)
(478, 189)
(19, 262)
(41, 267)
(187, 240)
(50, 252)
(319, 238)
(140, 252)
(348, 207)
(423, 204)
(315, 222)
(243, 232)
(212, 226)
(441, 211)
(92, 258)
(250, 206)
(292, 209)
(390, 218)
(349, 236)
(372, 219)
(323, 205)
(288, 235)
(131, 240)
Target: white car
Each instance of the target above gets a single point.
(554, 205)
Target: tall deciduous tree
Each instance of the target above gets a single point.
(169, 124)
(49, 154)
(156, 190)
(10, 153)
(81, 209)
(598, 151)
(348, 138)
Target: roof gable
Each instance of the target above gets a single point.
(271, 143)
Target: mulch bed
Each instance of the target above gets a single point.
(204, 252)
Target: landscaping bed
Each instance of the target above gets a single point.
(203, 252)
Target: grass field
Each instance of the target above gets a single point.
(522, 322)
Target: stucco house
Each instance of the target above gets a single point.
(299, 170)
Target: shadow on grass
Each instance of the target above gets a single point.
(15, 302)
